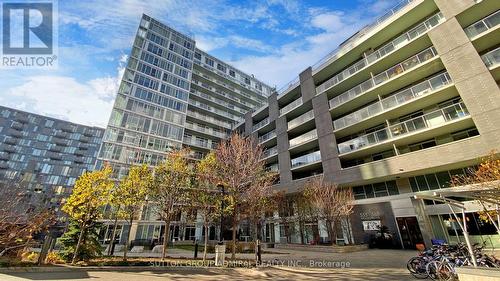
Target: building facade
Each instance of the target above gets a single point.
(398, 109)
(45, 154)
(172, 95)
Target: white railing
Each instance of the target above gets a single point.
(267, 136)
(492, 59)
(301, 119)
(483, 25)
(426, 121)
(200, 143)
(210, 131)
(382, 77)
(394, 100)
(288, 86)
(306, 159)
(291, 106)
(395, 44)
(260, 124)
(311, 135)
(209, 119)
(352, 42)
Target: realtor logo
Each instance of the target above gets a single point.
(29, 34)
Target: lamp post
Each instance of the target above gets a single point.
(221, 187)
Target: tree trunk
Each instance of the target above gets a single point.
(112, 242)
(78, 244)
(165, 240)
(233, 250)
(206, 243)
(334, 231)
(301, 230)
(128, 239)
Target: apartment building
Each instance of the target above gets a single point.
(398, 109)
(45, 155)
(173, 95)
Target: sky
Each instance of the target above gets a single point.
(273, 39)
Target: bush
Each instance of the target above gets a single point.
(54, 258)
(29, 257)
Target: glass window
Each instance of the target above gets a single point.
(369, 191)
(432, 181)
(380, 189)
(422, 183)
(413, 184)
(443, 179)
(392, 188)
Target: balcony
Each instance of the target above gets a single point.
(200, 143)
(479, 28)
(267, 136)
(354, 40)
(260, 124)
(307, 159)
(4, 156)
(302, 139)
(390, 74)
(9, 148)
(402, 97)
(61, 134)
(62, 142)
(54, 156)
(84, 139)
(4, 165)
(270, 152)
(210, 119)
(215, 110)
(17, 125)
(289, 107)
(205, 130)
(273, 168)
(430, 120)
(301, 119)
(492, 59)
(382, 52)
(217, 101)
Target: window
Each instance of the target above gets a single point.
(221, 67)
(232, 73)
(247, 80)
(375, 190)
(49, 123)
(197, 56)
(209, 62)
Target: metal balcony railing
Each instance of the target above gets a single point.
(301, 119)
(267, 136)
(395, 44)
(426, 121)
(395, 100)
(480, 27)
(291, 106)
(384, 76)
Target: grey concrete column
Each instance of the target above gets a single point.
(248, 123)
(472, 78)
(453, 8)
(274, 110)
(283, 153)
(326, 137)
(424, 223)
(324, 125)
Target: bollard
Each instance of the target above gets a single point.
(196, 249)
(259, 252)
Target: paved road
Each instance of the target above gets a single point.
(364, 265)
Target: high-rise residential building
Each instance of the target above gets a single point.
(395, 111)
(173, 95)
(45, 155)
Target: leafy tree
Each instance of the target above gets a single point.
(90, 194)
(89, 244)
(169, 188)
(242, 171)
(130, 195)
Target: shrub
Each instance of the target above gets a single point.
(54, 258)
(29, 256)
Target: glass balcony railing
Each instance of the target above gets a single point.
(483, 25)
(306, 159)
(352, 42)
(397, 99)
(206, 130)
(290, 106)
(301, 119)
(395, 44)
(382, 77)
(273, 168)
(426, 121)
(261, 124)
(209, 119)
(492, 59)
(200, 143)
(267, 136)
(311, 135)
(270, 152)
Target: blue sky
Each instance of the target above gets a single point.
(273, 39)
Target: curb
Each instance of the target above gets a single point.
(68, 268)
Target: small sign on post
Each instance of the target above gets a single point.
(220, 254)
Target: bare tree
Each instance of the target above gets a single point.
(21, 216)
(330, 201)
(241, 170)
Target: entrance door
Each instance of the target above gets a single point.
(410, 232)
